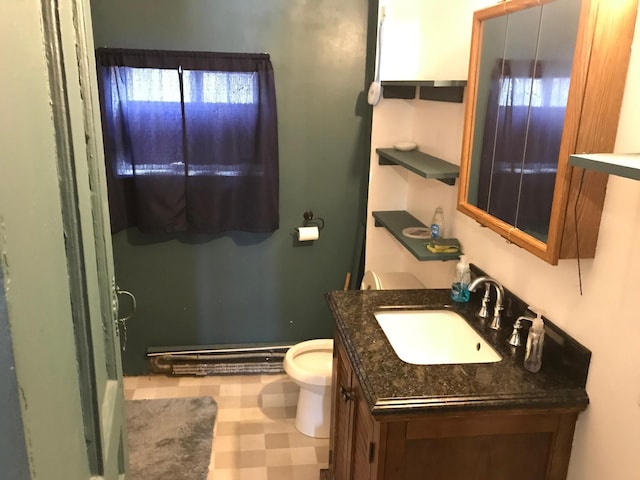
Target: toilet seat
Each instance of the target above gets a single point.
(310, 362)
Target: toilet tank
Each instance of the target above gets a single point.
(390, 281)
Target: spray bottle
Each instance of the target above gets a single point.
(535, 342)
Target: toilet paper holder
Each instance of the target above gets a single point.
(310, 229)
(310, 221)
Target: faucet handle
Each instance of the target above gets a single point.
(514, 339)
(495, 323)
(484, 310)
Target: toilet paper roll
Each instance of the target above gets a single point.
(306, 234)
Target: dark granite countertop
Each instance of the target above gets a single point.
(392, 386)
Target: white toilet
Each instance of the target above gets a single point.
(309, 364)
(389, 281)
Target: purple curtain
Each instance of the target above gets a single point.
(521, 144)
(191, 140)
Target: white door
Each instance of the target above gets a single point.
(55, 244)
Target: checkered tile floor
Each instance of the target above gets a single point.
(254, 436)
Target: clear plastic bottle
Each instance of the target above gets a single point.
(437, 223)
(535, 342)
(461, 280)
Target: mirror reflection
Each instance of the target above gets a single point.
(524, 73)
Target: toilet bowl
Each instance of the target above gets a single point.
(389, 281)
(309, 364)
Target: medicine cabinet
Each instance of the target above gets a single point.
(546, 80)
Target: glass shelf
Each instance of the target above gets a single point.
(622, 165)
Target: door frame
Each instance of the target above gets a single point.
(55, 245)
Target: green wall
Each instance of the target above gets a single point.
(240, 287)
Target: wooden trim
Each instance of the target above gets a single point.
(509, 232)
(479, 425)
(380, 431)
(494, 412)
(470, 110)
(395, 450)
(561, 448)
(341, 447)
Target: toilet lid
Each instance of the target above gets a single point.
(390, 281)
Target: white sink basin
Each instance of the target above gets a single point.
(434, 337)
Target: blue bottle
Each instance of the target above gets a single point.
(437, 224)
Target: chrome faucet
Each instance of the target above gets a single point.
(497, 309)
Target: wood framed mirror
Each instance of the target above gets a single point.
(546, 79)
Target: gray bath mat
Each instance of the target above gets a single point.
(170, 438)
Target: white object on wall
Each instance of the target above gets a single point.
(375, 90)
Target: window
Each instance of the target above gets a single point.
(152, 91)
(190, 140)
(156, 85)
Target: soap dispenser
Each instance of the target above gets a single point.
(535, 342)
(461, 280)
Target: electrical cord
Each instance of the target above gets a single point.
(575, 219)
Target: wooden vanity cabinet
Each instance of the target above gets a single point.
(352, 444)
(477, 445)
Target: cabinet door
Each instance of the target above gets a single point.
(352, 433)
(341, 414)
(364, 447)
(478, 446)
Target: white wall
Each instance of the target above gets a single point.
(421, 40)
(604, 317)
(428, 39)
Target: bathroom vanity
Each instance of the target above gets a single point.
(395, 420)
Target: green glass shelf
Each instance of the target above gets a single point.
(397, 220)
(622, 165)
(421, 163)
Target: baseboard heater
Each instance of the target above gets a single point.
(241, 359)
